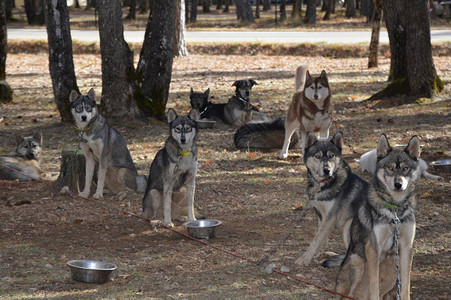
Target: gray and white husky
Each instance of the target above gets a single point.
(174, 168)
(369, 268)
(26, 159)
(104, 145)
(333, 190)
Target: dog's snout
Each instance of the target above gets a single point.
(315, 96)
(398, 185)
(84, 118)
(326, 171)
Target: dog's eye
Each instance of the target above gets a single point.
(312, 87)
(188, 128)
(320, 87)
(79, 108)
(88, 108)
(405, 169)
(390, 168)
(331, 155)
(318, 156)
(177, 129)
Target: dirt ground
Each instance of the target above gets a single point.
(254, 194)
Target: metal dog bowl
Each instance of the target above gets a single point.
(91, 271)
(442, 165)
(204, 124)
(202, 229)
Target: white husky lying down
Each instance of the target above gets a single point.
(368, 162)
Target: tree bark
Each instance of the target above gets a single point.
(35, 13)
(328, 9)
(267, 5)
(61, 63)
(143, 6)
(132, 11)
(374, 44)
(350, 9)
(180, 42)
(193, 16)
(155, 63)
(310, 12)
(119, 84)
(257, 9)
(296, 12)
(283, 11)
(226, 6)
(412, 68)
(244, 11)
(6, 93)
(206, 6)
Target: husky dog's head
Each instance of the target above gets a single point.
(83, 108)
(397, 169)
(243, 88)
(322, 157)
(30, 146)
(183, 128)
(199, 100)
(316, 89)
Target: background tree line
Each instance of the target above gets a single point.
(143, 91)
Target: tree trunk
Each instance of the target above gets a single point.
(205, 6)
(155, 62)
(143, 6)
(9, 8)
(193, 17)
(412, 68)
(267, 4)
(61, 63)
(244, 11)
(76, 4)
(296, 12)
(350, 9)
(132, 11)
(6, 94)
(257, 9)
(310, 12)
(283, 11)
(218, 4)
(179, 42)
(227, 6)
(328, 9)
(374, 45)
(35, 13)
(119, 85)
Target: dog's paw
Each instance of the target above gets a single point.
(303, 261)
(121, 195)
(98, 195)
(168, 224)
(283, 155)
(84, 194)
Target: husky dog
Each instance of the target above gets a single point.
(26, 159)
(310, 110)
(368, 162)
(239, 110)
(104, 145)
(174, 168)
(332, 188)
(369, 268)
(206, 108)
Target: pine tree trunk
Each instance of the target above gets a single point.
(296, 12)
(193, 16)
(244, 11)
(267, 4)
(119, 85)
(155, 62)
(283, 11)
(374, 44)
(328, 9)
(350, 9)
(310, 12)
(412, 68)
(132, 11)
(180, 42)
(6, 93)
(61, 63)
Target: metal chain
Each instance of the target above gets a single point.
(396, 239)
(283, 240)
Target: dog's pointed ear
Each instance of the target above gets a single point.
(191, 92)
(17, 139)
(236, 83)
(337, 140)
(92, 94)
(253, 82)
(207, 92)
(307, 76)
(310, 140)
(324, 75)
(73, 95)
(194, 115)
(413, 148)
(172, 115)
(38, 137)
(383, 147)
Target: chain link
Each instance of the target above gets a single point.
(395, 241)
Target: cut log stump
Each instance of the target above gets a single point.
(72, 171)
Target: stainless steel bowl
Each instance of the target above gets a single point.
(91, 271)
(203, 124)
(202, 229)
(442, 165)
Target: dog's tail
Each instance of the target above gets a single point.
(300, 77)
(333, 261)
(141, 183)
(263, 135)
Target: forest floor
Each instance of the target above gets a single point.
(256, 196)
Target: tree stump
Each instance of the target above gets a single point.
(73, 171)
(6, 93)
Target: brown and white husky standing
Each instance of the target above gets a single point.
(310, 110)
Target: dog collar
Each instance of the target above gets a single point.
(86, 129)
(203, 111)
(184, 153)
(391, 205)
(241, 98)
